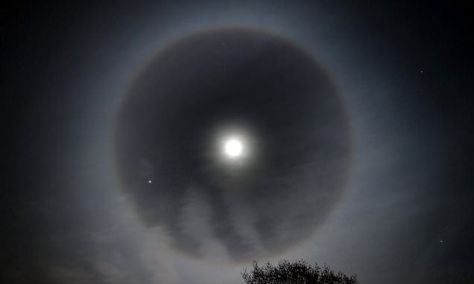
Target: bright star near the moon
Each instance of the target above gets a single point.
(233, 148)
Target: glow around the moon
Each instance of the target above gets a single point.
(264, 146)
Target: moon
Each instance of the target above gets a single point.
(233, 148)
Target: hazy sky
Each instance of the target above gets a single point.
(355, 118)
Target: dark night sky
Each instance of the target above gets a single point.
(357, 118)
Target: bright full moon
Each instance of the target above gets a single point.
(233, 148)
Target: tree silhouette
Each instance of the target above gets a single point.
(298, 272)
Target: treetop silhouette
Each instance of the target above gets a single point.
(299, 272)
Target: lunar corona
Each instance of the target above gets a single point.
(243, 123)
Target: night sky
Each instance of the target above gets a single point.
(178, 141)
